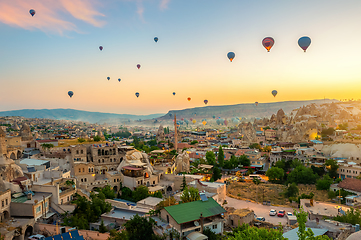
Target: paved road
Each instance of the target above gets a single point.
(259, 209)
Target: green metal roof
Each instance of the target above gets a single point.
(19, 199)
(187, 212)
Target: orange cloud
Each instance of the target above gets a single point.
(49, 15)
(164, 4)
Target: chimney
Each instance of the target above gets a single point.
(29, 196)
(201, 219)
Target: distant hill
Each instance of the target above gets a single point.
(77, 115)
(246, 110)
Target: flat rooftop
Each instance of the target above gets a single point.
(38, 196)
(33, 162)
(124, 213)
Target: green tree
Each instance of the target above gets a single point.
(352, 216)
(102, 228)
(194, 142)
(275, 174)
(302, 175)
(332, 166)
(170, 201)
(184, 183)
(97, 138)
(246, 232)
(217, 173)
(107, 191)
(127, 194)
(46, 146)
(81, 140)
(220, 156)
(211, 158)
(302, 233)
(292, 190)
(137, 228)
(324, 183)
(244, 160)
(190, 195)
(157, 194)
(255, 146)
(140, 193)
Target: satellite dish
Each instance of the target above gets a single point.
(196, 223)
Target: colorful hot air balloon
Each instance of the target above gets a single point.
(194, 121)
(231, 56)
(108, 78)
(173, 93)
(256, 103)
(138, 66)
(119, 79)
(156, 39)
(32, 12)
(191, 119)
(204, 123)
(70, 93)
(304, 43)
(274, 93)
(137, 94)
(182, 119)
(268, 43)
(214, 116)
(205, 101)
(188, 99)
(101, 48)
(225, 122)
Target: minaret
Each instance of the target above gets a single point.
(175, 133)
(3, 148)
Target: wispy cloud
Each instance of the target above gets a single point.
(164, 4)
(140, 9)
(49, 15)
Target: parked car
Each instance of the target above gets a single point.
(273, 212)
(289, 214)
(260, 219)
(281, 213)
(37, 237)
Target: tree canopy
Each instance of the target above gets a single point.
(275, 174)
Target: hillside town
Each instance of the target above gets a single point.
(183, 178)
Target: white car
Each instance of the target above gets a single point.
(289, 214)
(37, 237)
(273, 212)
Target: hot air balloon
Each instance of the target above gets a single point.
(156, 39)
(204, 123)
(256, 103)
(191, 119)
(225, 122)
(173, 93)
(274, 93)
(268, 43)
(214, 116)
(231, 56)
(108, 78)
(304, 43)
(188, 98)
(137, 94)
(101, 48)
(205, 101)
(138, 66)
(32, 12)
(182, 119)
(119, 79)
(194, 121)
(70, 93)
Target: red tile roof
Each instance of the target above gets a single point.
(352, 184)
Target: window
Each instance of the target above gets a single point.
(103, 160)
(6, 202)
(46, 204)
(214, 226)
(83, 169)
(68, 198)
(38, 209)
(79, 170)
(85, 180)
(114, 179)
(77, 151)
(111, 160)
(81, 151)
(2, 203)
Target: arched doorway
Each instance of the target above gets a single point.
(19, 154)
(169, 189)
(12, 156)
(6, 215)
(169, 171)
(28, 232)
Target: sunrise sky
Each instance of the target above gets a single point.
(45, 56)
